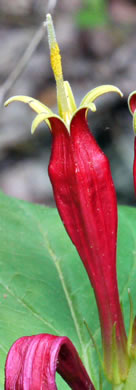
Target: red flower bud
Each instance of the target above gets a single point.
(86, 200)
(32, 363)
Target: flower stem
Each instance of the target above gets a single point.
(118, 387)
(130, 383)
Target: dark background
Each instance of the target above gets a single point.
(98, 46)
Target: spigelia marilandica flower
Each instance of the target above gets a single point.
(132, 108)
(85, 197)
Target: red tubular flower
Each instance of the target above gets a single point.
(86, 200)
(132, 107)
(32, 363)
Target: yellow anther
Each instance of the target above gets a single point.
(57, 70)
(56, 62)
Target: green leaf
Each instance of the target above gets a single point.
(43, 284)
(126, 259)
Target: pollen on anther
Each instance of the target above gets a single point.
(56, 61)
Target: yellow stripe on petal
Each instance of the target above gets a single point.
(98, 91)
(41, 118)
(89, 106)
(37, 106)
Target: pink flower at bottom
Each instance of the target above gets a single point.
(33, 361)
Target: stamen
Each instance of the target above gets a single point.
(57, 68)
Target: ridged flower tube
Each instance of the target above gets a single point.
(85, 197)
(86, 200)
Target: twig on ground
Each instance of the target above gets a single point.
(4, 89)
(7, 85)
(51, 5)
